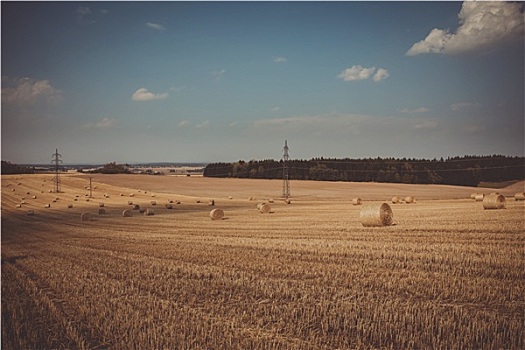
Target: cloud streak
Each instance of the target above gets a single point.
(156, 26)
(143, 94)
(358, 72)
(482, 25)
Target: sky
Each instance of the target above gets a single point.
(226, 81)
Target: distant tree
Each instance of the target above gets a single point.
(11, 168)
(113, 168)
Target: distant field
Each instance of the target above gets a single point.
(308, 275)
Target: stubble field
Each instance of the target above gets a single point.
(308, 275)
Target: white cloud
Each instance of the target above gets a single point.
(359, 72)
(426, 125)
(104, 123)
(280, 59)
(83, 10)
(202, 125)
(381, 74)
(417, 110)
(29, 91)
(482, 24)
(463, 105)
(183, 124)
(218, 74)
(143, 94)
(156, 26)
(474, 129)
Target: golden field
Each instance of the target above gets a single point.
(308, 275)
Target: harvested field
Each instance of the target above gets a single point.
(446, 274)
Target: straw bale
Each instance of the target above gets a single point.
(101, 211)
(494, 201)
(136, 207)
(356, 201)
(169, 206)
(85, 216)
(47, 206)
(150, 212)
(520, 196)
(101, 205)
(217, 214)
(70, 206)
(265, 208)
(211, 202)
(126, 213)
(153, 203)
(409, 199)
(479, 197)
(396, 200)
(373, 215)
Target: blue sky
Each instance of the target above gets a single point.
(223, 81)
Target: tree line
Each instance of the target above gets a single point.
(466, 170)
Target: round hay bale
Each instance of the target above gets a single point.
(136, 207)
(69, 206)
(47, 206)
(122, 194)
(259, 205)
(479, 197)
(169, 206)
(34, 197)
(153, 203)
(287, 201)
(356, 201)
(101, 211)
(76, 199)
(132, 194)
(409, 199)
(217, 214)
(473, 196)
(374, 215)
(197, 201)
(150, 212)
(170, 201)
(265, 208)
(31, 212)
(211, 202)
(142, 210)
(130, 203)
(270, 200)
(19, 206)
(126, 213)
(177, 202)
(230, 197)
(494, 201)
(520, 196)
(101, 205)
(396, 200)
(151, 195)
(85, 216)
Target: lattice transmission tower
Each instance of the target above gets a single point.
(56, 160)
(286, 180)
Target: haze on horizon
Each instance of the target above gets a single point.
(222, 81)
